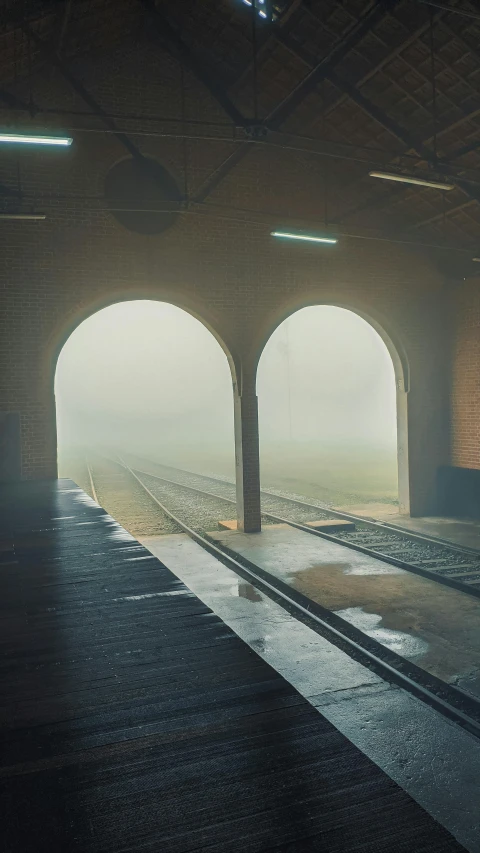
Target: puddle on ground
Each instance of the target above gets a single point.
(397, 641)
(372, 569)
(260, 645)
(246, 590)
(435, 626)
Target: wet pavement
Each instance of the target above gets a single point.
(434, 626)
(433, 759)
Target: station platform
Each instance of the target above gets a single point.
(135, 719)
(432, 625)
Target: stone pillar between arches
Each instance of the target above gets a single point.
(247, 459)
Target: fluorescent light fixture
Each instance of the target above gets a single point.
(477, 260)
(30, 216)
(409, 179)
(26, 139)
(288, 236)
(261, 12)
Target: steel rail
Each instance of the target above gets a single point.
(348, 516)
(459, 585)
(327, 623)
(92, 484)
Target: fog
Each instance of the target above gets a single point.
(327, 408)
(145, 376)
(326, 376)
(149, 378)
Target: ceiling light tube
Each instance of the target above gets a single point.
(27, 139)
(30, 216)
(409, 179)
(309, 238)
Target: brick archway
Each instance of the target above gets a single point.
(401, 368)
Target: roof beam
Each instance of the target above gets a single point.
(381, 117)
(352, 92)
(412, 37)
(51, 56)
(290, 12)
(439, 216)
(403, 135)
(374, 14)
(222, 171)
(172, 41)
(465, 149)
(390, 194)
(355, 34)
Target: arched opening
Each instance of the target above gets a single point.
(146, 378)
(332, 414)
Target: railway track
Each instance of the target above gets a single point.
(183, 515)
(451, 565)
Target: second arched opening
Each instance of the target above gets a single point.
(331, 409)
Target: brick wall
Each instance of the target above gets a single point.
(218, 261)
(466, 376)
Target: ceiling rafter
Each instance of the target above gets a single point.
(403, 135)
(352, 91)
(465, 149)
(373, 15)
(275, 27)
(469, 48)
(381, 200)
(171, 40)
(217, 176)
(358, 84)
(355, 34)
(392, 54)
(49, 54)
(384, 101)
(382, 118)
(392, 193)
(451, 70)
(413, 37)
(437, 217)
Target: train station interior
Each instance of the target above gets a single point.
(240, 426)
